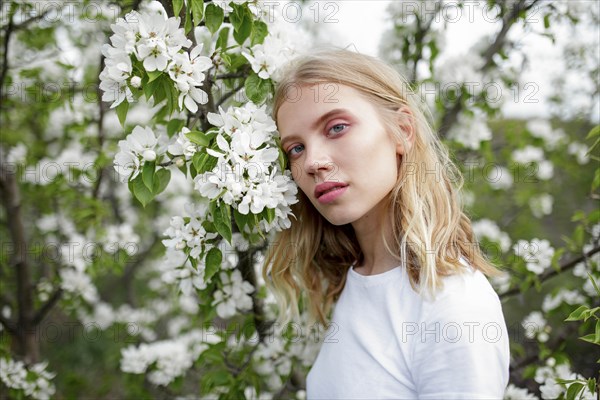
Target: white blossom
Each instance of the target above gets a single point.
(140, 146)
(281, 45)
(78, 283)
(541, 205)
(528, 154)
(157, 42)
(470, 131)
(537, 254)
(121, 237)
(247, 175)
(164, 360)
(553, 301)
(233, 295)
(515, 393)
(541, 128)
(490, 230)
(34, 380)
(182, 146)
(534, 323)
(545, 170)
(499, 178)
(579, 150)
(17, 154)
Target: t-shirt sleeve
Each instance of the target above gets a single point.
(462, 350)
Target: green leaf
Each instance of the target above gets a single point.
(171, 95)
(148, 174)
(259, 32)
(223, 37)
(140, 191)
(161, 180)
(594, 283)
(269, 214)
(174, 126)
(243, 29)
(594, 132)
(546, 21)
(150, 88)
(203, 162)
(198, 138)
(177, 5)
(591, 338)
(213, 263)
(214, 17)
(573, 390)
(222, 219)
(256, 88)
(241, 220)
(188, 25)
(197, 11)
(122, 112)
(153, 75)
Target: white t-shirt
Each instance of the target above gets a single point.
(388, 342)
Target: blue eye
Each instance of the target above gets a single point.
(337, 128)
(295, 150)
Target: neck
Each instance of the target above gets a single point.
(376, 257)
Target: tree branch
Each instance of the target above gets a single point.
(8, 325)
(229, 94)
(41, 313)
(549, 274)
(11, 197)
(451, 112)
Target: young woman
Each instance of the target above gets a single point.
(381, 240)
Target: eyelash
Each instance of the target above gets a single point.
(289, 152)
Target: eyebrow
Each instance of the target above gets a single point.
(317, 122)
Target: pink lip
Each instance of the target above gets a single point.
(326, 192)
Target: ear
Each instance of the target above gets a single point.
(406, 122)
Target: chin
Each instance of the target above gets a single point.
(339, 219)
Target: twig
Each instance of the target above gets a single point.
(451, 113)
(43, 311)
(549, 274)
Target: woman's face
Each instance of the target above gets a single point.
(341, 155)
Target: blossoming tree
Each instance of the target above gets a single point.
(142, 183)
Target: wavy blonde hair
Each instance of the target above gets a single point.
(306, 265)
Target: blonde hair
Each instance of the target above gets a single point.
(307, 264)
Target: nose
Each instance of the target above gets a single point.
(317, 162)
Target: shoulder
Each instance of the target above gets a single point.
(467, 293)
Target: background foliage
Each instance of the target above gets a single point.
(96, 301)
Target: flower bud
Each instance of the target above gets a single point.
(136, 82)
(179, 162)
(149, 155)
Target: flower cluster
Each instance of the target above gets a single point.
(279, 47)
(536, 326)
(490, 230)
(537, 254)
(167, 359)
(33, 381)
(188, 232)
(471, 131)
(542, 129)
(247, 174)
(532, 154)
(541, 205)
(233, 295)
(140, 146)
(149, 42)
(547, 377)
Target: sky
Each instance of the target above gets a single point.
(360, 23)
